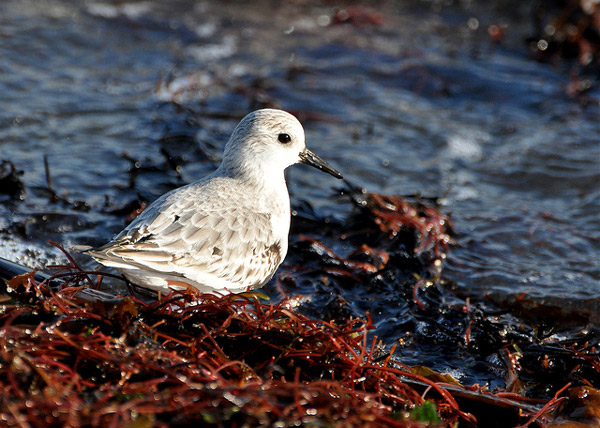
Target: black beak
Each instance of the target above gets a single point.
(311, 159)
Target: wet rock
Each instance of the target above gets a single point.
(10, 181)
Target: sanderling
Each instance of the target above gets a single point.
(227, 232)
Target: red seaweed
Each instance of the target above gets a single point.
(179, 362)
(73, 355)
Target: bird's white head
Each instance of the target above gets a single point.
(266, 142)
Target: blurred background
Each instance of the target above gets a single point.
(493, 107)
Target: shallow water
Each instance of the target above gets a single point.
(421, 103)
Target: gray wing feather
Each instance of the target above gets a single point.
(180, 231)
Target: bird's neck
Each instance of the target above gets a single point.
(269, 181)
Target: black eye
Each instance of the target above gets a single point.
(284, 138)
